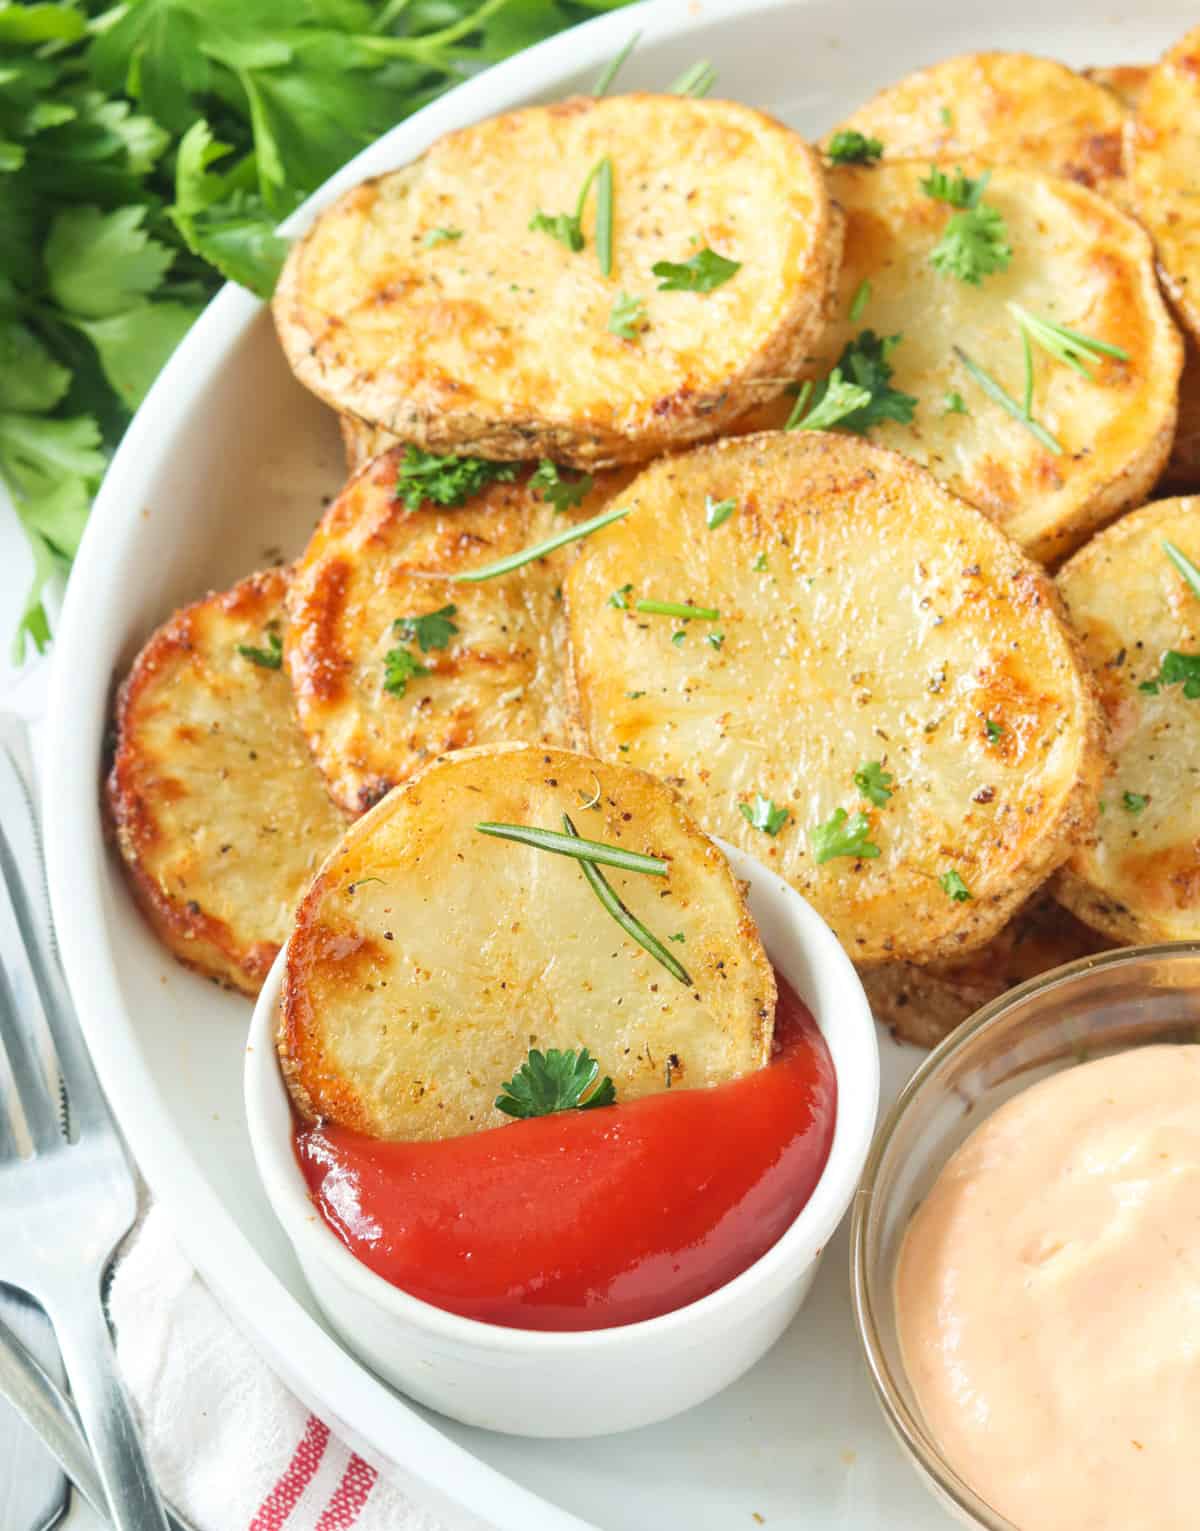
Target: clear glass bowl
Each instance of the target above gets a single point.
(1122, 999)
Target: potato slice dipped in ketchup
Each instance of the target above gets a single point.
(533, 1039)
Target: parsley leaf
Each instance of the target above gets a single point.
(958, 190)
(270, 658)
(704, 271)
(555, 1081)
(401, 666)
(954, 404)
(620, 598)
(994, 730)
(842, 835)
(567, 228)
(954, 888)
(437, 237)
(1181, 668)
(562, 493)
(874, 782)
(99, 263)
(428, 479)
(763, 814)
(717, 512)
(1133, 802)
(850, 147)
(858, 393)
(627, 317)
(432, 631)
(973, 245)
(760, 566)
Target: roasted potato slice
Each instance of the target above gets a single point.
(490, 670)
(924, 1004)
(1004, 109)
(423, 302)
(868, 622)
(1076, 261)
(1126, 81)
(1162, 161)
(1139, 878)
(428, 958)
(220, 815)
(362, 442)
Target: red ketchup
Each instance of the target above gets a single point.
(589, 1219)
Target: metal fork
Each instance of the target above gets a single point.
(66, 1201)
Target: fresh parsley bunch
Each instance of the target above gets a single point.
(148, 151)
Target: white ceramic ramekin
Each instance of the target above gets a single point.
(527, 1382)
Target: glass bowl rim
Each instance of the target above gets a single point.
(900, 1417)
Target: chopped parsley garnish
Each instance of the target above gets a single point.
(704, 271)
(677, 638)
(946, 116)
(1133, 802)
(953, 887)
(679, 609)
(994, 731)
(1176, 669)
(759, 566)
(428, 479)
(842, 835)
(715, 640)
(633, 695)
(627, 317)
(1006, 402)
(678, 936)
(1067, 346)
(763, 814)
(717, 512)
(567, 228)
(620, 598)
(874, 782)
(1184, 564)
(576, 847)
(860, 300)
(541, 549)
(696, 81)
(562, 493)
(958, 190)
(628, 921)
(858, 393)
(440, 237)
(269, 658)
(850, 147)
(954, 404)
(974, 244)
(400, 665)
(432, 631)
(555, 1081)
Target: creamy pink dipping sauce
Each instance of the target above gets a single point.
(1048, 1300)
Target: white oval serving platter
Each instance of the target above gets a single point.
(224, 469)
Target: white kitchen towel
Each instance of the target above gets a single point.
(230, 1446)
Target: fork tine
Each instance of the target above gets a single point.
(9, 1148)
(23, 1023)
(22, 892)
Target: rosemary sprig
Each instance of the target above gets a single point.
(696, 81)
(628, 921)
(678, 609)
(574, 845)
(604, 216)
(540, 549)
(1184, 564)
(1006, 402)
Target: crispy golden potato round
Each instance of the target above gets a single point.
(220, 815)
(423, 302)
(1126, 81)
(868, 622)
(1162, 161)
(1004, 109)
(923, 1004)
(1138, 879)
(1076, 261)
(428, 958)
(493, 663)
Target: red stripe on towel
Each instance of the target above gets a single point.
(349, 1497)
(301, 1470)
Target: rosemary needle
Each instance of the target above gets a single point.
(574, 845)
(540, 549)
